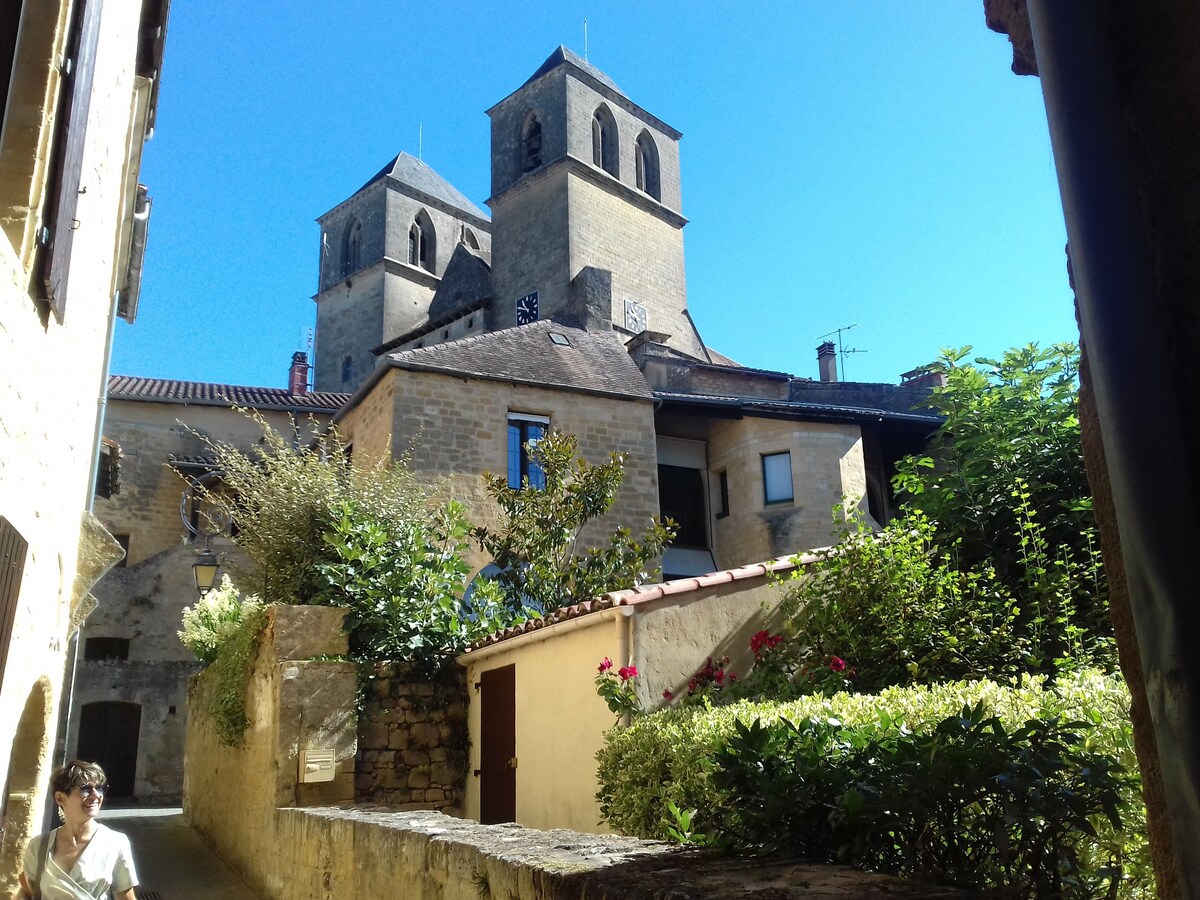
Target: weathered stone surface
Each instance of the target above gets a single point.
(302, 632)
(435, 855)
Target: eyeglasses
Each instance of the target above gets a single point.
(86, 790)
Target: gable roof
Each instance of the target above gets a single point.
(563, 56)
(201, 393)
(591, 361)
(416, 174)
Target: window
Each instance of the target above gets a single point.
(421, 242)
(646, 160)
(722, 494)
(97, 649)
(524, 432)
(531, 143)
(469, 238)
(777, 477)
(352, 248)
(681, 499)
(604, 140)
(13, 548)
(347, 370)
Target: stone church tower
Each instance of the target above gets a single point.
(582, 176)
(585, 223)
(383, 254)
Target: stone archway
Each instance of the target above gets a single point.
(26, 777)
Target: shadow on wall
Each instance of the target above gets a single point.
(30, 750)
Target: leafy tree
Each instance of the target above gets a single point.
(283, 499)
(1011, 427)
(537, 548)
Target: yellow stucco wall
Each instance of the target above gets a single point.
(560, 720)
(51, 378)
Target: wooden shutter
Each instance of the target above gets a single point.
(12, 566)
(63, 199)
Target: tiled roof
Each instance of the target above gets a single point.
(800, 408)
(200, 393)
(416, 174)
(648, 593)
(562, 55)
(593, 361)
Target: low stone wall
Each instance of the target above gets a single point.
(412, 739)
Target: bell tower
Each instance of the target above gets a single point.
(584, 177)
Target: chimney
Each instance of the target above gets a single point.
(298, 374)
(827, 361)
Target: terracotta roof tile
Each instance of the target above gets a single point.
(648, 593)
(200, 393)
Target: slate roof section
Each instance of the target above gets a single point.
(801, 409)
(200, 393)
(416, 174)
(648, 593)
(591, 361)
(562, 55)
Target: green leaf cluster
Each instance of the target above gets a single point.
(906, 780)
(222, 630)
(543, 562)
(403, 582)
(1010, 445)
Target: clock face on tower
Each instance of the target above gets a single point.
(527, 308)
(635, 317)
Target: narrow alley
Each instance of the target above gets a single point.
(173, 863)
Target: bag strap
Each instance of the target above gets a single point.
(41, 858)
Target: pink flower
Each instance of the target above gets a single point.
(668, 696)
(604, 666)
(627, 672)
(836, 664)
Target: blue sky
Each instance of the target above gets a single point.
(843, 163)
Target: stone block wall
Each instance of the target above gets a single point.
(412, 739)
(458, 425)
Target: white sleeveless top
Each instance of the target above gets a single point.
(105, 863)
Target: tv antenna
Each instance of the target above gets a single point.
(421, 141)
(843, 351)
(585, 41)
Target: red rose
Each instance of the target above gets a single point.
(668, 696)
(627, 672)
(604, 666)
(836, 663)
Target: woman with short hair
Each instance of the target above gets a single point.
(81, 859)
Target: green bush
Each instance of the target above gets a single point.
(403, 583)
(222, 630)
(898, 608)
(683, 756)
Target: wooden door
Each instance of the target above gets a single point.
(498, 746)
(108, 734)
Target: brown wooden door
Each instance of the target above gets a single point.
(498, 746)
(108, 734)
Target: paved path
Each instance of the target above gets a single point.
(173, 863)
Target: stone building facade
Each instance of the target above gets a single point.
(72, 234)
(131, 674)
(451, 339)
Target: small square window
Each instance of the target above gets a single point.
(777, 477)
(96, 649)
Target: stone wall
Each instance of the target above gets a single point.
(449, 424)
(52, 373)
(294, 702)
(412, 739)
